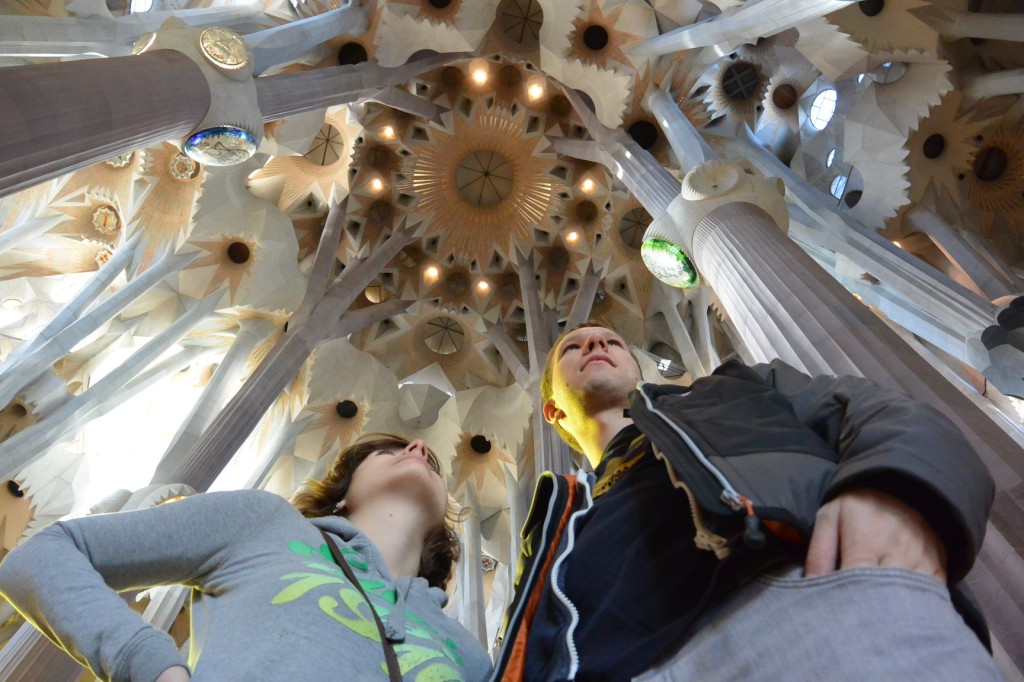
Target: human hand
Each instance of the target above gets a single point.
(174, 674)
(867, 528)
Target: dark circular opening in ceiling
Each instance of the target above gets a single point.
(439, 4)
(559, 105)
(452, 76)
(484, 178)
(480, 444)
(380, 211)
(934, 146)
(19, 410)
(352, 53)
(784, 96)
(632, 227)
(990, 164)
(14, 489)
(852, 197)
(238, 253)
(586, 211)
(510, 76)
(740, 81)
(871, 8)
(644, 133)
(346, 409)
(595, 37)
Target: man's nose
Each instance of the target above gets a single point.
(417, 447)
(596, 342)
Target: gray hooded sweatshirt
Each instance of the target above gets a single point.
(268, 602)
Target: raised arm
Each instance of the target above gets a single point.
(64, 580)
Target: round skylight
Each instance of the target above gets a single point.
(838, 186)
(830, 158)
(822, 108)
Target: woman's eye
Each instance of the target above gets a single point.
(613, 342)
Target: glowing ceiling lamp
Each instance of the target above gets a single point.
(587, 185)
(572, 237)
(387, 132)
(478, 71)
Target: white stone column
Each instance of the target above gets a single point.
(1008, 82)
(991, 26)
(985, 278)
(471, 587)
(30, 657)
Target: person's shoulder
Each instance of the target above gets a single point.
(252, 500)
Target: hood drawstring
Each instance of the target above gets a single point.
(394, 624)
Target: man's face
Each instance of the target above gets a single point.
(593, 369)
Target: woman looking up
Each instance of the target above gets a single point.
(270, 600)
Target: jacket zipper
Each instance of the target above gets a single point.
(570, 642)
(752, 534)
(704, 538)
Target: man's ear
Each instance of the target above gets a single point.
(551, 412)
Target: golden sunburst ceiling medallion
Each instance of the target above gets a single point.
(485, 178)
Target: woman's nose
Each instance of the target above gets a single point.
(417, 447)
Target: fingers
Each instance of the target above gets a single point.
(823, 551)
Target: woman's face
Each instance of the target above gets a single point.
(412, 471)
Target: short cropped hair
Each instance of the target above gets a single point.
(546, 389)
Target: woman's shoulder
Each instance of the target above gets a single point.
(251, 501)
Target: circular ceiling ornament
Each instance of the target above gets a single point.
(144, 42)
(458, 175)
(239, 253)
(710, 179)
(741, 81)
(633, 225)
(182, 168)
(484, 178)
(223, 48)
(106, 220)
(444, 335)
(520, 22)
(669, 263)
(326, 147)
(480, 444)
(220, 146)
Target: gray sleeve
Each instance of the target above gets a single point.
(65, 578)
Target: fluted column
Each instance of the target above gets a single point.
(30, 657)
(745, 25)
(64, 116)
(471, 585)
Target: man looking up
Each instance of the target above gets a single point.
(758, 524)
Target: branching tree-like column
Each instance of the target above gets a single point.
(327, 319)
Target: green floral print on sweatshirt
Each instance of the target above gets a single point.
(347, 607)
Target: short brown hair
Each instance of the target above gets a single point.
(546, 389)
(319, 497)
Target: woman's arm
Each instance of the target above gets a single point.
(64, 579)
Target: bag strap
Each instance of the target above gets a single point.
(390, 657)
